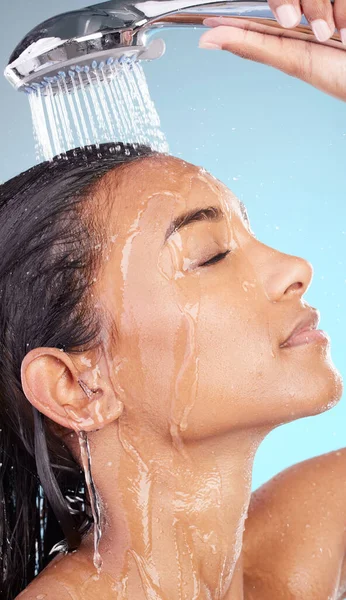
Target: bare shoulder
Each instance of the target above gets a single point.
(70, 577)
(44, 592)
(47, 584)
(295, 533)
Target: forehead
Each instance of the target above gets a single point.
(155, 189)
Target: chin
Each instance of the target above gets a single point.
(314, 382)
(325, 392)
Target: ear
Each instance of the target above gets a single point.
(78, 398)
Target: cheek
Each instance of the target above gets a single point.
(228, 364)
(236, 364)
(233, 330)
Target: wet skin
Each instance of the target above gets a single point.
(185, 387)
(295, 534)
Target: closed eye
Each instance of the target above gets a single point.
(215, 259)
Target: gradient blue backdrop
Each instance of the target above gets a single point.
(278, 143)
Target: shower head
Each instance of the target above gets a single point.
(97, 37)
(110, 33)
(80, 43)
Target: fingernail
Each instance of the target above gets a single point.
(288, 15)
(343, 35)
(213, 21)
(321, 30)
(209, 46)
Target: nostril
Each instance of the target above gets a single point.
(294, 287)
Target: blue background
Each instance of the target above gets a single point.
(277, 142)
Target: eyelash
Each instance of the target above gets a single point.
(215, 259)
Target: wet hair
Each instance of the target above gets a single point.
(47, 263)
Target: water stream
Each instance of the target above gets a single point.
(94, 502)
(111, 103)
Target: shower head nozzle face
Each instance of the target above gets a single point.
(78, 62)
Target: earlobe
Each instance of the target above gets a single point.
(98, 411)
(103, 406)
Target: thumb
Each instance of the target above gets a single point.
(286, 54)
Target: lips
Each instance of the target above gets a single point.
(305, 331)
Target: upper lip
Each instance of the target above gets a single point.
(307, 322)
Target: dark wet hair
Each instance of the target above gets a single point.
(47, 263)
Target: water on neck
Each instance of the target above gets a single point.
(94, 502)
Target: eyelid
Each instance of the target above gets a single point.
(221, 254)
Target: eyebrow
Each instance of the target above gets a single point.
(208, 213)
(213, 214)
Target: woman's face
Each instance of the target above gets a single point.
(202, 313)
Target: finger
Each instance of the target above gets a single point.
(321, 66)
(289, 55)
(340, 18)
(256, 25)
(319, 13)
(273, 50)
(287, 12)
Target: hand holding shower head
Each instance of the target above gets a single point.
(100, 35)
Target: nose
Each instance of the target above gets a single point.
(282, 275)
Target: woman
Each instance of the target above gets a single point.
(146, 290)
(139, 293)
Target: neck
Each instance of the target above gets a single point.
(174, 521)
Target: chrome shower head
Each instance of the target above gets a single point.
(82, 41)
(98, 36)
